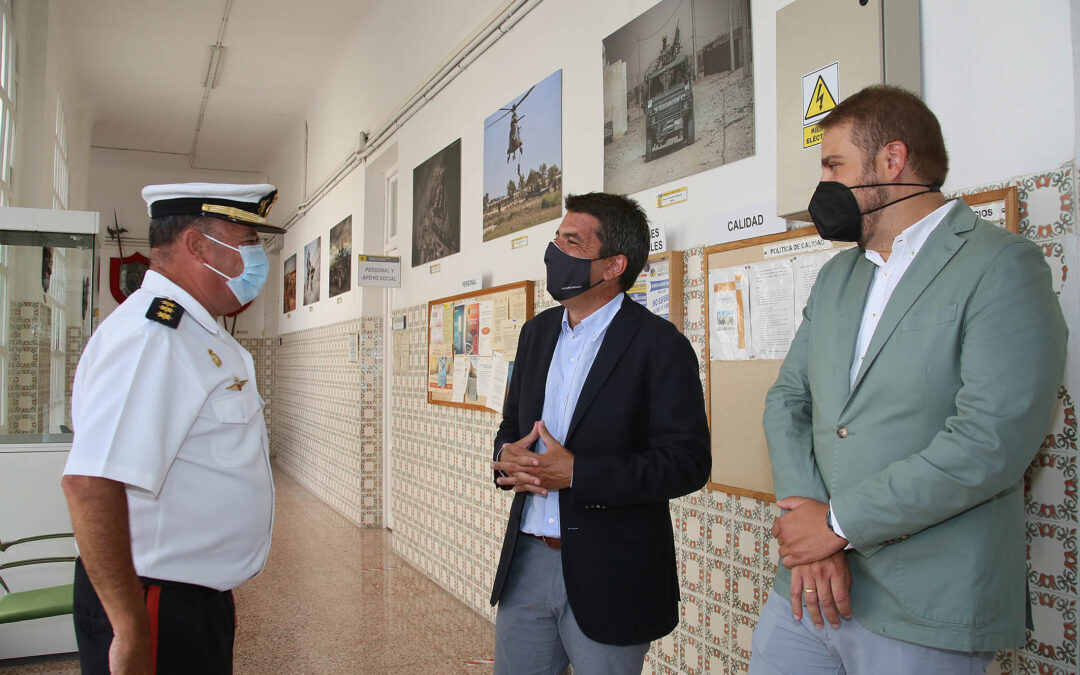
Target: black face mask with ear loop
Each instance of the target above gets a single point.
(567, 276)
(835, 211)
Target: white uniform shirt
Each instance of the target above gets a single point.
(175, 414)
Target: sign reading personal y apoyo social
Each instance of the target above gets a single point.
(378, 270)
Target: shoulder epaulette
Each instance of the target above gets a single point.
(166, 311)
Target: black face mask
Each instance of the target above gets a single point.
(567, 276)
(835, 211)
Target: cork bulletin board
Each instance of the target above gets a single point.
(472, 341)
(745, 351)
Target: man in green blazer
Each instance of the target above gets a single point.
(918, 388)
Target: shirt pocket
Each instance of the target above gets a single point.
(238, 439)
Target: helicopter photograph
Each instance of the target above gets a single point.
(522, 160)
(678, 93)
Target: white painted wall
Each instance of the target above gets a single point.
(1002, 82)
(1005, 111)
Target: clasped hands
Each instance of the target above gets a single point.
(815, 556)
(528, 471)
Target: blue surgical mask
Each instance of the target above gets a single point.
(249, 284)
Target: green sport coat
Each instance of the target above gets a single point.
(923, 458)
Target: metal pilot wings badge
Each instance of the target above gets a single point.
(166, 311)
(237, 384)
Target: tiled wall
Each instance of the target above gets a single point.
(28, 369)
(327, 415)
(449, 519)
(262, 354)
(73, 346)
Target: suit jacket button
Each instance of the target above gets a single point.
(842, 432)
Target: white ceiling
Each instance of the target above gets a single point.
(140, 65)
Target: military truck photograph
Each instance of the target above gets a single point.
(678, 93)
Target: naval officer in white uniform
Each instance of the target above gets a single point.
(168, 481)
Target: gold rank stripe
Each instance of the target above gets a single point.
(234, 213)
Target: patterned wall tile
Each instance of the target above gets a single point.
(327, 414)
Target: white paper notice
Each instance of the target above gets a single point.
(510, 330)
(729, 308)
(461, 379)
(656, 293)
(806, 269)
(772, 309)
(497, 387)
(483, 377)
(486, 328)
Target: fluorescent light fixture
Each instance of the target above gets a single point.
(217, 53)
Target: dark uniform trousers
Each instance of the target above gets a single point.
(192, 627)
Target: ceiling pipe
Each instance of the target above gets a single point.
(474, 48)
(217, 52)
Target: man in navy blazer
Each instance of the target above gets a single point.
(604, 422)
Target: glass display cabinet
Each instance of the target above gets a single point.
(47, 288)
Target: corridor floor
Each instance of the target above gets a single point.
(335, 599)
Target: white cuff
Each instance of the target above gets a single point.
(839, 531)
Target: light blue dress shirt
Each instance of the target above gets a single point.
(570, 365)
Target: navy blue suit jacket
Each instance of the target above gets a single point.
(639, 436)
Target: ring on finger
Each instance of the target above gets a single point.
(809, 590)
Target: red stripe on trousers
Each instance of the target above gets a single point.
(153, 602)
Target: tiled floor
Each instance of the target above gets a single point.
(335, 599)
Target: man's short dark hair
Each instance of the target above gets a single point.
(624, 229)
(165, 230)
(882, 114)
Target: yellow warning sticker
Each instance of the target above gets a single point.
(821, 101)
(812, 135)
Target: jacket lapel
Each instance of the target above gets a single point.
(620, 332)
(849, 319)
(940, 247)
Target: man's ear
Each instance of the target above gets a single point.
(194, 244)
(615, 267)
(894, 159)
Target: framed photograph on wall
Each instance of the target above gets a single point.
(437, 206)
(523, 160)
(312, 268)
(341, 257)
(678, 93)
(288, 288)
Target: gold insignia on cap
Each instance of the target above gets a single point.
(234, 213)
(237, 385)
(214, 357)
(266, 202)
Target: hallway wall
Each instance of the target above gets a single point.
(327, 419)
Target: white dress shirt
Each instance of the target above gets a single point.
(570, 364)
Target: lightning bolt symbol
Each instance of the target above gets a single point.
(820, 97)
